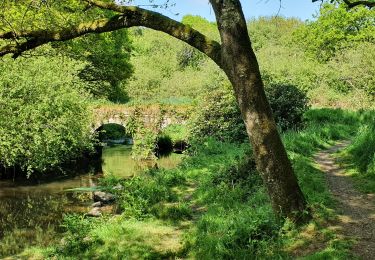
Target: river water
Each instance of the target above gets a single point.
(32, 214)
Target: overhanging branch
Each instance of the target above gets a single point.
(128, 16)
(351, 4)
(369, 3)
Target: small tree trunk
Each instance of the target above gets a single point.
(240, 64)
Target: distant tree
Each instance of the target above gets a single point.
(336, 29)
(107, 58)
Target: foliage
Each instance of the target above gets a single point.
(364, 149)
(26, 15)
(189, 56)
(201, 24)
(345, 78)
(162, 64)
(144, 144)
(271, 31)
(361, 153)
(176, 132)
(288, 104)
(106, 56)
(218, 115)
(218, 188)
(44, 117)
(77, 229)
(341, 44)
(336, 29)
(354, 69)
(107, 66)
(144, 137)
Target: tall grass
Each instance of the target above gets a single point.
(214, 203)
(361, 153)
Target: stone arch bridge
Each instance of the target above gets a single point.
(154, 117)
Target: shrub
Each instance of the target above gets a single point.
(44, 117)
(218, 115)
(288, 104)
(144, 144)
(77, 234)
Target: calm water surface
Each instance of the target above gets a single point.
(31, 214)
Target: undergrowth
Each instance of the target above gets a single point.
(214, 206)
(360, 155)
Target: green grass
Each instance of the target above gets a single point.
(360, 155)
(213, 206)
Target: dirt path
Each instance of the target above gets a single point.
(356, 219)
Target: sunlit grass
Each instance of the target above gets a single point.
(213, 206)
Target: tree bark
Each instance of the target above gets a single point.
(240, 64)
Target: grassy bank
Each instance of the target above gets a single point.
(213, 206)
(359, 157)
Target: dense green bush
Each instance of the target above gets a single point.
(44, 116)
(144, 144)
(77, 239)
(288, 104)
(218, 115)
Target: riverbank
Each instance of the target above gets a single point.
(213, 207)
(33, 209)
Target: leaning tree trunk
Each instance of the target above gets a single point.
(241, 66)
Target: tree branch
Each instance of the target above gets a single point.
(129, 16)
(369, 3)
(351, 4)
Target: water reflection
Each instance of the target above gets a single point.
(117, 161)
(31, 214)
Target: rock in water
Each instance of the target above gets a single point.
(103, 197)
(94, 212)
(97, 204)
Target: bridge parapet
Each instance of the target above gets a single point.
(152, 117)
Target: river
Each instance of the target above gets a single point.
(32, 214)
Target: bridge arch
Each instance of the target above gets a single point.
(154, 118)
(114, 133)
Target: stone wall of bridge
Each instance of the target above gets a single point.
(152, 117)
